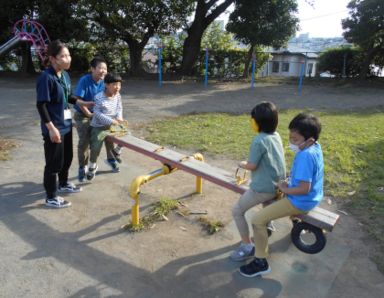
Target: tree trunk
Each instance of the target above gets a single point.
(27, 66)
(191, 49)
(247, 62)
(203, 18)
(135, 56)
(365, 64)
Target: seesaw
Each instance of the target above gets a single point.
(312, 225)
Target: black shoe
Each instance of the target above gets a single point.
(57, 202)
(116, 156)
(113, 164)
(91, 173)
(255, 268)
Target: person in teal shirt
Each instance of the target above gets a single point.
(267, 165)
(304, 188)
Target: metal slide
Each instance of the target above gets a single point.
(10, 45)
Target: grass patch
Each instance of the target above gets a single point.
(5, 146)
(158, 213)
(212, 226)
(353, 146)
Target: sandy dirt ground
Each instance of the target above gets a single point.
(83, 252)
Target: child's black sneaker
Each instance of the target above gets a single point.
(113, 164)
(255, 268)
(82, 174)
(57, 202)
(116, 155)
(69, 188)
(92, 173)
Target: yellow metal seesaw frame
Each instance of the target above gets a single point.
(134, 188)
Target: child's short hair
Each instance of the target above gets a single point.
(307, 125)
(266, 116)
(112, 78)
(96, 61)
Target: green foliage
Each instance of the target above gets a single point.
(365, 28)
(216, 38)
(134, 22)
(11, 12)
(263, 22)
(205, 13)
(227, 63)
(158, 213)
(211, 226)
(172, 52)
(68, 24)
(332, 60)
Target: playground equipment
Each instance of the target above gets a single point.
(28, 31)
(308, 229)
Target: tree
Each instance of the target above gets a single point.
(205, 13)
(216, 38)
(62, 20)
(263, 23)
(134, 22)
(340, 61)
(365, 28)
(11, 12)
(64, 25)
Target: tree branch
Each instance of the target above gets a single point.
(218, 10)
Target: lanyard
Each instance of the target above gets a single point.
(64, 85)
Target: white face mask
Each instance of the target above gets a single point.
(294, 148)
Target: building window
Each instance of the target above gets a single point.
(310, 69)
(285, 67)
(275, 67)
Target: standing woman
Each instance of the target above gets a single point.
(53, 96)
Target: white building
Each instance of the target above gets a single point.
(301, 52)
(291, 64)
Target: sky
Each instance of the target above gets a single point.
(323, 19)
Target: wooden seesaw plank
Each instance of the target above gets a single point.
(180, 161)
(318, 217)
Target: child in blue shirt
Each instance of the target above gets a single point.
(304, 189)
(88, 86)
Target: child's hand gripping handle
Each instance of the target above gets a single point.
(240, 179)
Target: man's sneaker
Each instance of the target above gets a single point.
(92, 173)
(82, 174)
(255, 268)
(69, 188)
(116, 155)
(242, 253)
(57, 202)
(113, 164)
(270, 228)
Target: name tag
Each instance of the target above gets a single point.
(67, 114)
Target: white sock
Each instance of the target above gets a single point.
(117, 149)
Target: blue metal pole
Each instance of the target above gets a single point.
(206, 68)
(160, 70)
(253, 71)
(301, 77)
